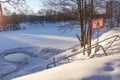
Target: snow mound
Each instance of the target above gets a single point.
(38, 56)
(6, 68)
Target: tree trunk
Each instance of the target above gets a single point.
(90, 28)
(111, 14)
(79, 2)
(0, 13)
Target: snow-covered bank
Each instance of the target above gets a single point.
(105, 68)
(99, 68)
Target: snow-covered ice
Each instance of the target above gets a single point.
(39, 36)
(39, 42)
(7, 68)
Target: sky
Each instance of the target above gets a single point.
(35, 4)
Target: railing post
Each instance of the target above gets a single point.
(54, 62)
(47, 66)
(103, 50)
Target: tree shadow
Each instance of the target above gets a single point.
(108, 67)
(98, 77)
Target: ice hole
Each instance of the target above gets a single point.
(17, 57)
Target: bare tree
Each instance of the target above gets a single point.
(113, 12)
(110, 12)
(16, 4)
(85, 10)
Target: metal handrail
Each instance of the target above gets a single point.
(86, 49)
(117, 36)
